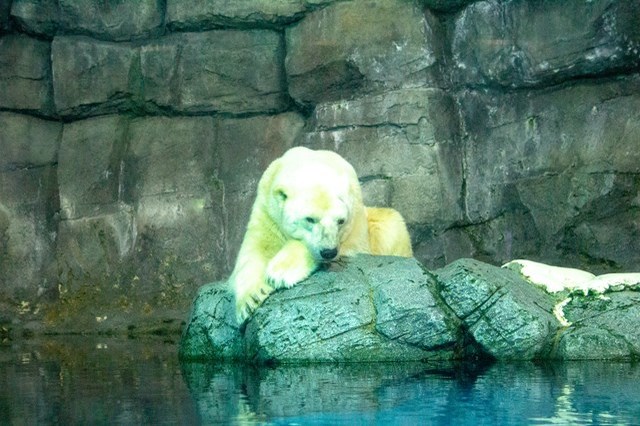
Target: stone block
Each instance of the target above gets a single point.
(505, 315)
(429, 113)
(27, 142)
(406, 309)
(180, 243)
(25, 79)
(566, 158)
(28, 225)
(171, 156)
(523, 43)
(198, 14)
(91, 76)
(93, 251)
(40, 17)
(170, 180)
(223, 70)
(113, 20)
(377, 308)
(350, 47)
(213, 308)
(341, 313)
(516, 138)
(28, 213)
(604, 327)
(90, 165)
(422, 179)
(159, 68)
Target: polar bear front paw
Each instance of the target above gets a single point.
(291, 265)
(285, 274)
(248, 302)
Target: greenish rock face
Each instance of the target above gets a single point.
(373, 308)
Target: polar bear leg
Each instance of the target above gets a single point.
(292, 264)
(250, 288)
(388, 234)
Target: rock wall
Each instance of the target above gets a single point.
(133, 135)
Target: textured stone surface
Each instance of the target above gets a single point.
(406, 309)
(90, 160)
(308, 326)
(372, 321)
(602, 327)
(581, 179)
(41, 17)
(345, 47)
(90, 76)
(213, 309)
(195, 14)
(233, 71)
(115, 20)
(382, 308)
(505, 315)
(498, 43)
(27, 223)
(144, 204)
(25, 79)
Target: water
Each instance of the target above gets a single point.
(79, 380)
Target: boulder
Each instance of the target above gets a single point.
(602, 327)
(386, 311)
(507, 317)
(375, 308)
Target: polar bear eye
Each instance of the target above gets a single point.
(340, 221)
(311, 220)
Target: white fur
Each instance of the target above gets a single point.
(308, 206)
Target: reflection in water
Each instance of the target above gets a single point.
(88, 381)
(75, 380)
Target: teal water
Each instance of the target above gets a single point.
(80, 380)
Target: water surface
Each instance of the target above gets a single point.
(80, 380)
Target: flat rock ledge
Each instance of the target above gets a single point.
(373, 308)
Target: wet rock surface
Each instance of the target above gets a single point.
(384, 308)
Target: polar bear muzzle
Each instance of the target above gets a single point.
(329, 254)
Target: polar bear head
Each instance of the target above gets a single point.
(314, 198)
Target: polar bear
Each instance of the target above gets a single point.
(308, 210)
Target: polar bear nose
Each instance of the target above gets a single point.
(328, 254)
